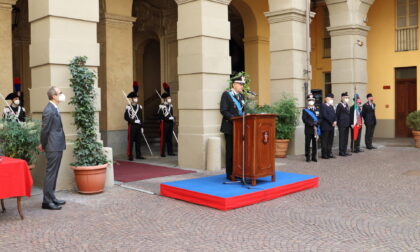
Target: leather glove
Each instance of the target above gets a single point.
(142, 130)
(137, 121)
(171, 118)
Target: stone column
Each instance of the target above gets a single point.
(6, 61)
(348, 46)
(203, 68)
(60, 30)
(287, 20)
(116, 73)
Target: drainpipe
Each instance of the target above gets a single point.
(308, 49)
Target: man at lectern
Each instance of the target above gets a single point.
(231, 105)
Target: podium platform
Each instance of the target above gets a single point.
(211, 192)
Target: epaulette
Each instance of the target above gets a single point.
(127, 107)
(162, 106)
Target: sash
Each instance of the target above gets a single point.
(315, 120)
(238, 105)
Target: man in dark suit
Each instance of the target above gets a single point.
(166, 115)
(343, 123)
(53, 142)
(328, 123)
(134, 116)
(368, 114)
(310, 117)
(231, 105)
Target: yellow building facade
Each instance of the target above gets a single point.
(194, 45)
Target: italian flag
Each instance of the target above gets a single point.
(357, 119)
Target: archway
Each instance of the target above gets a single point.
(151, 78)
(236, 43)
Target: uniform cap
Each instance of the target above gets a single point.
(11, 96)
(132, 95)
(165, 95)
(369, 95)
(330, 95)
(310, 97)
(345, 94)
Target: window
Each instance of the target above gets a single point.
(327, 83)
(327, 37)
(407, 25)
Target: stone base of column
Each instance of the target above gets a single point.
(117, 140)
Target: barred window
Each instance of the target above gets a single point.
(407, 25)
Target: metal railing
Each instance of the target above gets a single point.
(406, 39)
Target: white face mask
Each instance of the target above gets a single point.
(169, 100)
(331, 102)
(346, 100)
(61, 98)
(311, 103)
(135, 100)
(16, 102)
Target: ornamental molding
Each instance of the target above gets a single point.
(226, 2)
(361, 30)
(287, 16)
(112, 18)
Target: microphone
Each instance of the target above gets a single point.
(252, 93)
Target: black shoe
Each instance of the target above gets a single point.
(314, 159)
(50, 206)
(360, 150)
(140, 157)
(162, 155)
(130, 159)
(347, 154)
(373, 148)
(172, 154)
(332, 156)
(325, 157)
(59, 202)
(342, 154)
(308, 159)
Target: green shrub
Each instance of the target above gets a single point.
(20, 140)
(88, 151)
(413, 120)
(287, 116)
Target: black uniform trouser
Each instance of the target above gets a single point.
(343, 139)
(308, 139)
(355, 145)
(168, 127)
(370, 129)
(135, 137)
(327, 139)
(50, 182)
(229, 154)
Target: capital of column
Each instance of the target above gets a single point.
(226, 2)
(117, 19)
(287, 15)
(7, 4)
(361, 30)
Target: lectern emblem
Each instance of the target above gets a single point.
(265, 134)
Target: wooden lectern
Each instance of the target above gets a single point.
(260, 136)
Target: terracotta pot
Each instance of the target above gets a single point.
(90, 179)
(281, 147)
(416, 135)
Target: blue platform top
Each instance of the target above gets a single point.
(214, 185)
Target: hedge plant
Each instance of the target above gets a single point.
(413, 120)
(88, 151)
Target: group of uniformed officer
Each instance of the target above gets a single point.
(320, 122)
(134, 116)
(14, 111)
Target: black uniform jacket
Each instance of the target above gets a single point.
(165, 112)
(130, 118)
(229, 109)
(343, 116)
(328, 117)
(309, 121)
(368, 114)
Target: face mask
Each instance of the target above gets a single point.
(346, 100)
(61, 98)
(168, 100)
(16, 102)
(331, 102)
(311, 103)
(135, 100)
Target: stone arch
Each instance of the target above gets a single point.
(256, 44)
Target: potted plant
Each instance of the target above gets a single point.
(91, 162)
(20, 140)
(287, 120)
(413, 122)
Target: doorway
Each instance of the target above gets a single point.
(405, 98)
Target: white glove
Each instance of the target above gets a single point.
(142, 130)
(171, 118)
(137, 121)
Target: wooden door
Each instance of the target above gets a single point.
(405, 102)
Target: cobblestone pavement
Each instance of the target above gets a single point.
(367, 202)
